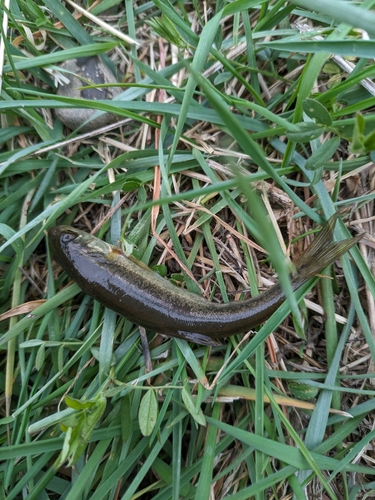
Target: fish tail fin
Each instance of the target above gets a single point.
(322, 252)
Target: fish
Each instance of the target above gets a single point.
(131, 289)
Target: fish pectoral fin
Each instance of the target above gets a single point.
(198, 338)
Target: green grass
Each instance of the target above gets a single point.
(247, 104)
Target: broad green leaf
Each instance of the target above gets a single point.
(324, 153)
(307, 131)
(315, 110)
(161, 269)
(148, 413)
(303, 391)
(131, 184)
(191, 406)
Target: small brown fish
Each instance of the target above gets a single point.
(130, 288)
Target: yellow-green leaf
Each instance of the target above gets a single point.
(191, 407)
(77, 404)
(148, 413)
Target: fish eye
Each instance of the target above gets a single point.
(68, 235)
